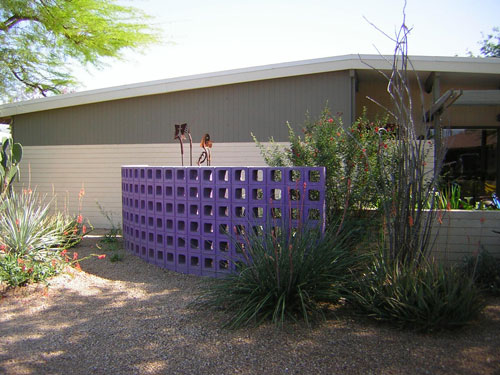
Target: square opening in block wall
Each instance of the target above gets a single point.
(194, 226)
(143, 173)
(194, 244)
(170, 240)
(159, 207)
(223, 264)
(159, 239)
(294, 175)
(151, 254)
(143, 251)
(195, 261)
(151, 237)
(158, 174)
(314, 195)
(136, 203)
(258, 230)
(181, 191)
(223, 228)
(257, 175)
(295, 213)
(143, 235)
(143, 204)
(181, 208)
(143, 220)
(150, 189)
(159, 223)
(208, 245)
(168, 174)
(150, 174)
(314, 176)
(240, 193)
(181, 258)
(169, 192)
(193, 175)
(240, 175)
(150, 205)
(276, 213)
(137, 249)
(208, 228)
(169, 224)
(151, 222)
(240, 229)
(314, 214)
(194, 209)
(208, 210)
(240, 212)
(223, 175)
(136, 173)
(158, 191)
(208, 193)
(143, 189)
(181, 225)
(294, 195)
(239, 247)
(224, 246)
(136, 189)
(276, 194)
(169, 208)
(208, 263)
(159, 255)
(223, 193)
(170, 257)
(223, 211)
(194, 192)
(180, 176)
(181, 242)
(208, 175)
(258, 212)
(257, 194)
(276, 175)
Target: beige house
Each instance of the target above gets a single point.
(80, 140)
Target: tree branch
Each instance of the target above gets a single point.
(14, 20)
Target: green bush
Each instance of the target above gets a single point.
(286, 276)
(356, 158)
(485, 270)
(425, 297)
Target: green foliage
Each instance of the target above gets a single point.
(485, 270)
(490, 46)
(10, 156)
(421, 296)
(40, 40)
(286, 276)
(351, 155)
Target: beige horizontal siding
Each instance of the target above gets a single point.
(61, 172)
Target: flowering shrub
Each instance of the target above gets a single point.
(353, 156)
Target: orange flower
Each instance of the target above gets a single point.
(75, 255)
(79, 219)
(77, 266)
(410, 220)
(64, 252)
(102, 256)
(84, 229)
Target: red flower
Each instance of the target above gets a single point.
(331, 138)
(84, 229)
(330, 120)
(338, 134)
(2, 248)
(20, 261)
(53, 263)
(79, 219)
(75, 255)
(102, 256)
(385, 145)
(64, 252)
(376, 129)
(364, 151)
(77, 266)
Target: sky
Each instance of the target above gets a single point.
(201, 36)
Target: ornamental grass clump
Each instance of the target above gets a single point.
(285, 276)
(426, 297)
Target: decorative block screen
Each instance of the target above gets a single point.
(194, 219)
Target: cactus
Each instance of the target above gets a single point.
(10, 156)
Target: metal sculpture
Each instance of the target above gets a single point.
(206, 145)
(180, 134)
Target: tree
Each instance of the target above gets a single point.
(41, 39)
(490, 46)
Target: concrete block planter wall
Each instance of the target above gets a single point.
(462, 233)
(194, 219)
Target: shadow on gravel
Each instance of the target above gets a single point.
(131, 317)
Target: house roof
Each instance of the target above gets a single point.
(296, 68)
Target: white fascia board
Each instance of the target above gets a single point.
(289, 69)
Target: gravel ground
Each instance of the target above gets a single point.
(131, 317)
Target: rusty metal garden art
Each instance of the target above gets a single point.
(206, 145)
(180, 134)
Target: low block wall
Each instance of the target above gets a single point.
(462, 233)
(194, 219)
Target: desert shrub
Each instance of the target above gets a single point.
(352, 154)
(422, 296)
(484, 268)
(285, 276)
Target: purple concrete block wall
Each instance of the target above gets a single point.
(181, 218)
